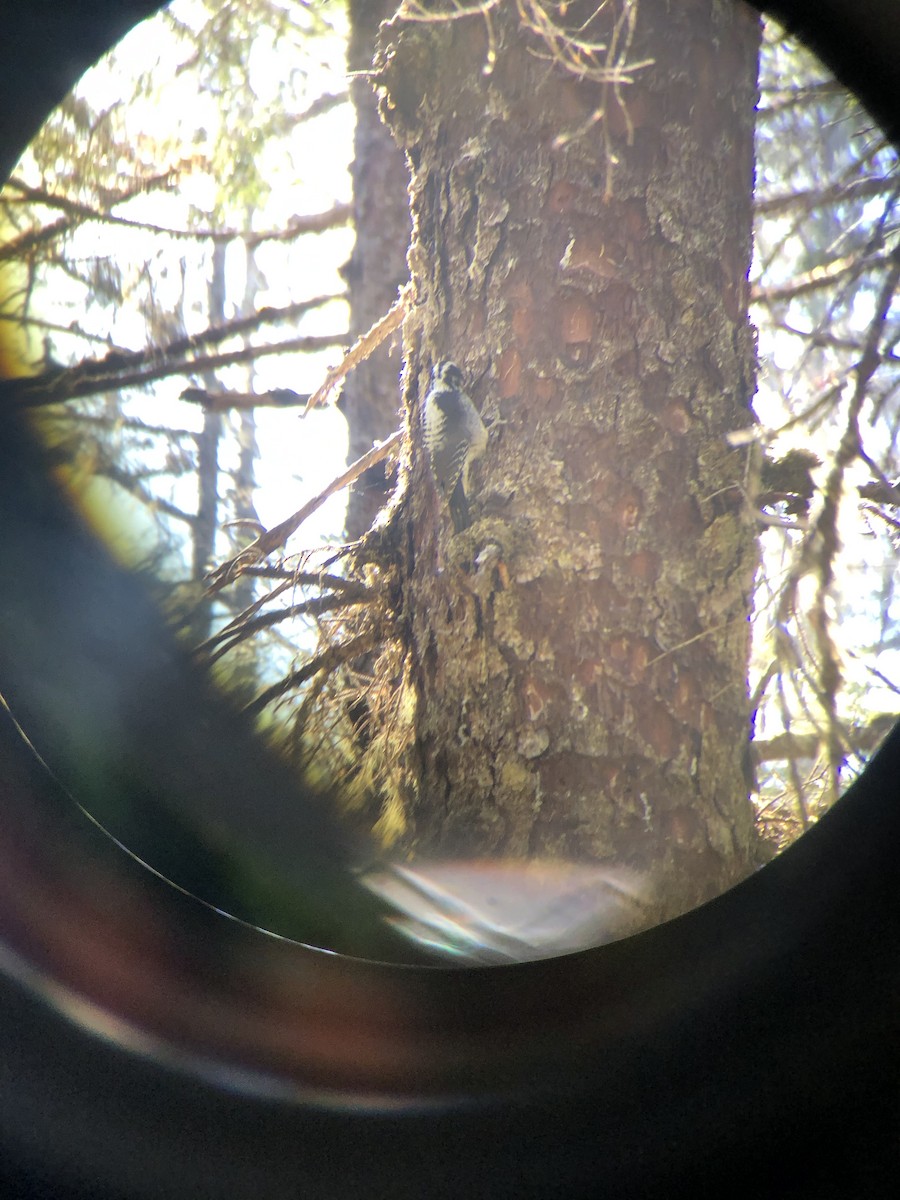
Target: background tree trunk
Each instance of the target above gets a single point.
(575, 681)
(377, 267)
(208, 441)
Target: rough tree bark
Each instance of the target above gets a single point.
(574, 680)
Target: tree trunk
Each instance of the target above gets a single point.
(207, 520)
(575, 675)
(377, 268)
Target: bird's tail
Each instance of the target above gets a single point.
(459, 508)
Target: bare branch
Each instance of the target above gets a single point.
(328, 660)
(136, 369)
(243, 401)
(850, 267)
(81, 214)
(276, 537)
(350, 592)
(838, 191)
(363, 347)
(314, 607)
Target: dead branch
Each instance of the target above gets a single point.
(363, 347)
(119, 370)
(273, 539)
(82, 214)
(328, 660)
(314, 607)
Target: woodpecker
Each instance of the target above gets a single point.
(455, 436)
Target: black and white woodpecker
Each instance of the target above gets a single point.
(455, 436)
